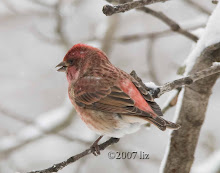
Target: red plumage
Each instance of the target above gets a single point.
(109, 101)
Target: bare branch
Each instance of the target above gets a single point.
(150, 63)
(107, 39)
(59, 29)
(43, 3)
(138, 37)
(215, 1)
(172, 102)
(14, 115)
(45, 38)
(198, 6)
(60, 25)
(61, 165)
(109, 10)
(53, 130)
(189, 79)
(10, 6)
(172, 24)
(157, 92)
(119, 1)
(28, 122)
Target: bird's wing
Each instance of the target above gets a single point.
(98, 94)
(147, 96)
(125, 99)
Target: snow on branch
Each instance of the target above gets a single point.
(174, 26)
(109, 10)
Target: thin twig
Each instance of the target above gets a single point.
(119, 1)
(60, 25)
(10, 6)
(171, 23)
(174, 26)
(106, 42)
(45, 38)
(150, 63)
(172, 102)
(14, 115)
(198, 6)
(109, 10)
(139, 37)
(189, 79)
(54, 130)
(61, 165)
(43, 3)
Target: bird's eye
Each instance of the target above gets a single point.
(70, 62)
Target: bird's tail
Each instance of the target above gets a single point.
(162, 124)
(157, 119)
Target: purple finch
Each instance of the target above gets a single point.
(110, 101)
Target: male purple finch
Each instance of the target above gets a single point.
(110, 101)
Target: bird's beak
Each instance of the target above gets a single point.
(63, 66)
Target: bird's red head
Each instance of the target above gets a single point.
(79, 58)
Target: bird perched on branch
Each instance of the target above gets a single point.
(110, 101)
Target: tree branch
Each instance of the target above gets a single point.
(150, 61)
(65, 122)
(198, 6)
(138, 37)
(171, 102)
(106, 42)
(109, 10)
(61, 165)
(171, 23)
(119, 1)
(60, 24)
(174, 26)
(160, 90)
(189, 79)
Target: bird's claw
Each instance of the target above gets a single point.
(95, 149)
(154, 92)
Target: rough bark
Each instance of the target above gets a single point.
(192, 114)
(109, 10)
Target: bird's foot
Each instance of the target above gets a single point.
(95, 147)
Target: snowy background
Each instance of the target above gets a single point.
(38, 126)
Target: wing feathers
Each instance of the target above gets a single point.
(100, 96)
(142, 90)
(155, 108)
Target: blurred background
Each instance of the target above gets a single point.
(38, 125)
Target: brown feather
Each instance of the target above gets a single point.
(103, 97)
